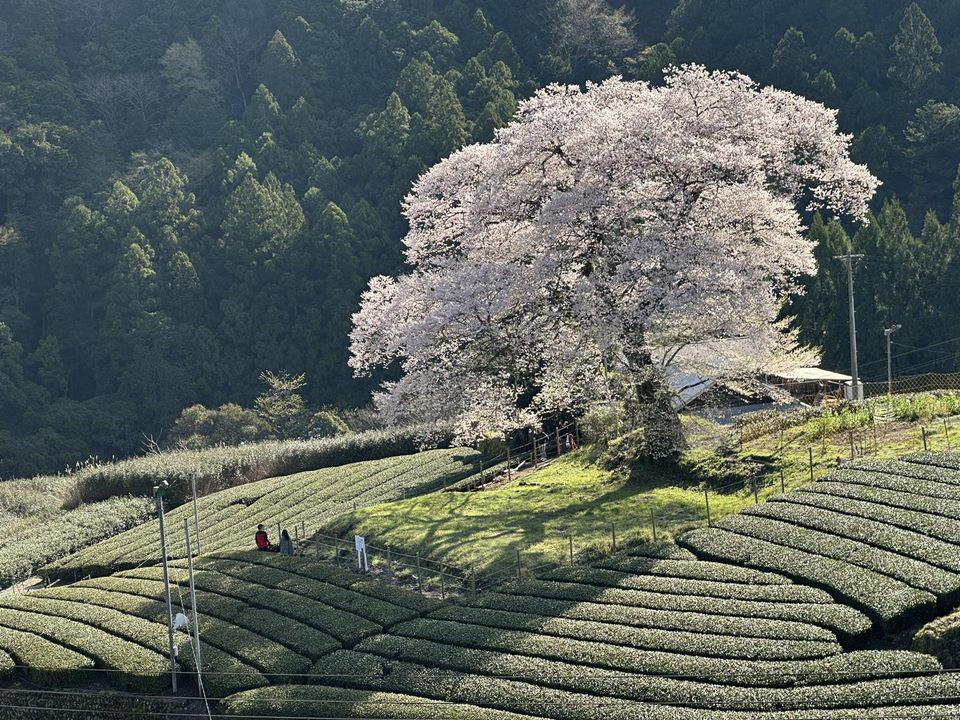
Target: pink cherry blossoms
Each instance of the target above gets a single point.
(601, 230)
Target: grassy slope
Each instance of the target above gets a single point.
(535, 512)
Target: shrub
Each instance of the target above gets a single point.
(653, 618)
(310, 700)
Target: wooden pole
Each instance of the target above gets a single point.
(519, 577)
(509, 472)
(443, 590)
(853, 452)
(613, 534)
(556, 433)
(756, 492)
(946, 431)
(653, 524)
(706, 497)
(783, 487)
(570, 541)
(811, 462)
(419, 574)
(923, 434)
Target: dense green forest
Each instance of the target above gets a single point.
(192, 193)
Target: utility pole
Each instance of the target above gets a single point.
(158, 495)
(888, 332)
(854, 370)
(196, 516)
(193, 605)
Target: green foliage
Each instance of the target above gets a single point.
(32, 543)
(197, 427)
(230, 517)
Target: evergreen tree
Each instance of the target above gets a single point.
(917, 51)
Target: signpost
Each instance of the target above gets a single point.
(360, 542)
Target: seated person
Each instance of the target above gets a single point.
(263, 543)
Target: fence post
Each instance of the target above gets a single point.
(923, 434)
(613, 533)
(653, 524)
(783, 487)
(533, 453)
(576, 432)
(875, 438)
(443, 590)
(556, 433)
(419, 574)
(389, 560)
(509, 474)
(519, 577)
(706, 497)
(946, 431)
(473, 580)
(810, 449)
(756, 492)
(853, 453)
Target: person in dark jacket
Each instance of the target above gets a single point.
(286, 544)
(263, 542)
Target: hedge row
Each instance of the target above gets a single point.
(935, 458)
(903, 468)
(692, 569)
(898, 500)
(683, 586)
(586, 652)
(695, 643)
(311, 701)
(922, 523)
(218, 467)
(886, 536)
(890, 602)
(225, 672)
(907, 571)
(365, 672)
(141, 598)
(660, 550)
(739, 682)
(64, 533)
(29, 704)
(843, 620)
(735, 625)
(343, 626)
(138, 668)
(47, 662)
(230, 517)
(948, 495)
(378, 611)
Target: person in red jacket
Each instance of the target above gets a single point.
(263, 542)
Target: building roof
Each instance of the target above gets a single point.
(810, 374)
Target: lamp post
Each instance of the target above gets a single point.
(888, 332)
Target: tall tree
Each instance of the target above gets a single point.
(600, 231)
(917, 51)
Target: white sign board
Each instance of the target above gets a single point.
(360, 543)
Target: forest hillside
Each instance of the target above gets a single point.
(193, 193)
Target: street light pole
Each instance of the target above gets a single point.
(888, 332)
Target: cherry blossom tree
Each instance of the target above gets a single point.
(603, 234)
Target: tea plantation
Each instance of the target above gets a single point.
(787, 611)
(229, 518)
